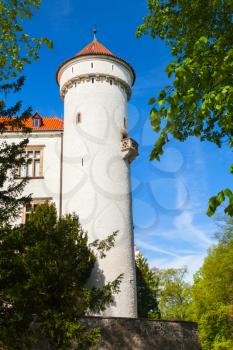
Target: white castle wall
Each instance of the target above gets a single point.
(47, 187)
(96, 180)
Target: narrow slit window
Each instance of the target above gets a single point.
(72, 69)
(82, 162)
(78, 118)
(125, 123)
(110, 82)
(112, 67)
(93, 80)
(92, 65)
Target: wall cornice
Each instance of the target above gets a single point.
(98, 77)
(19, 135)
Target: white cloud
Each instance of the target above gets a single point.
(154, 248)
(184, 223)
(193, 263)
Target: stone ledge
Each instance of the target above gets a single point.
(144, 334)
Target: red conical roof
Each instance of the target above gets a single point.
(95, 48)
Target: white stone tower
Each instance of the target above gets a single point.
(96, 86)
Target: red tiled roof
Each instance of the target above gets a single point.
(49, 123)
(95, 48)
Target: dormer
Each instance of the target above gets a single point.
(36, 120)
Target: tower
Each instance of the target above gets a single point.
(96, 86)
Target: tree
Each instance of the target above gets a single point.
(11, 188)
(44, 268)
(212, 293)
(147, 289)
(199, 100)
(174, 294)
(16, 49)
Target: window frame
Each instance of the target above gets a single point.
(34, 202)
(36, 119)
(79, 118)
(34, 159)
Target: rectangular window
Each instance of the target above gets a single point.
(34, 162)
(32, 206)
(78, 118)
(36, 122)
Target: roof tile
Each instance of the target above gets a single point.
(49, 123)
(95, 48)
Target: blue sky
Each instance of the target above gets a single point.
(169, 197)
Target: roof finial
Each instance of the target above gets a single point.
(95, 32)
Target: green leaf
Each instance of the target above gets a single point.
(153, 114)
(161, 102)
(231, 169)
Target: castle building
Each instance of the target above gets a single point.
(83, 163)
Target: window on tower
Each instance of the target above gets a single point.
(92, 65)
(78, 118)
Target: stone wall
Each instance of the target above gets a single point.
(140, 334)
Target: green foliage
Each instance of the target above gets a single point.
(147, 289)
(17, 48)
(174, 294)
(216, 201)
(44, 268)
(11, 188)
(199, 102)
(212, 293)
